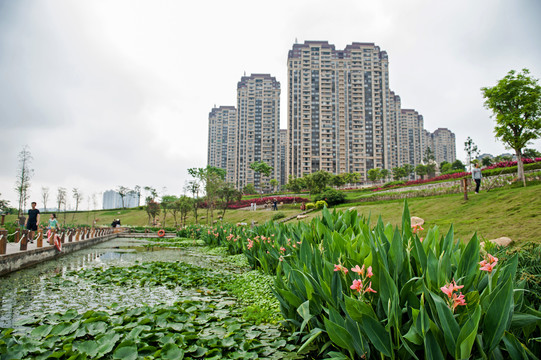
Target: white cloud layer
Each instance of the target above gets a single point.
(110, 93)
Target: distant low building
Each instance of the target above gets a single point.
(113, 200)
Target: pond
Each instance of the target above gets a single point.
(89, 303)
(27, 291)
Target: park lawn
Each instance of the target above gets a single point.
(511, 212)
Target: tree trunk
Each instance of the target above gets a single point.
(520, 167)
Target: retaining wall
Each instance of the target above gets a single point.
(23, 259)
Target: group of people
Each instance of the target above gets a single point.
(253, 205)
(32, 222)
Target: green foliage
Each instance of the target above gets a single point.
(374, 174)
(279, 215)
(321, 204)
(253, 289)
(531, 153)
(331, 196)
(317, 181)
(310, 206)
(249, 189)
(458, 165)
(399, 173)
(393, 183)
(516, 104)
(189, 328)
(408, 315)
(511, 169)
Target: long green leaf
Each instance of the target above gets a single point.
(467, 335)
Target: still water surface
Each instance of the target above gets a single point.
(29, 291)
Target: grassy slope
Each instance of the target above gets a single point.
(515, 213)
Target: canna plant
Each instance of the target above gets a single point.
(387, 292)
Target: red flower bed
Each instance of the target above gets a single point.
(504, 164)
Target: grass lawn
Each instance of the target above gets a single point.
(511, 212)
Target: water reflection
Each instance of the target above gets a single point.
(29, 291)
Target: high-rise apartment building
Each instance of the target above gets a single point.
(113, 200)
(338, 108)
(342, 115)
(258, 129)
(442, 142)
(410, 137)
(222, 139)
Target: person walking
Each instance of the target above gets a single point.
(32, 221)
(476, 175)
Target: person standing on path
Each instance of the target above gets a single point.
(32, 221)
(476, 175)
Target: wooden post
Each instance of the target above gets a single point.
(465, 185)
(24, 240)
(70, 235)
(63, 237)
(77, 234)
(17, 236)
(3, 241)
(3, 218)
(39, 240)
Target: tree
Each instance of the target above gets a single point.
(384, 174)
(421, 170)
(471, 151)
(77, 196)
(44, 196)
(428, 156)
(228, 194)
(516, 104)
(274, 184)
(317, 181)
(61, 197)
(486, 161)
(193, 187)
(261, 167)
(446, 167)
(531, 153)
(209, 179)
(24, 174)
(249, 189)
(408, 169)
(122, 191)
(374, 174)
(338, 180)
(4, 205)
(152, 208)
(295, 185)
(152, 193)
(458, 165)
(431, 169)
(398, 173)
(137, 191)
(185, 205)
(167, 204)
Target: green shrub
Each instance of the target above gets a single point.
(279, 215)
(398, 298)
(310, 206)
(321, 204)
(331, 196)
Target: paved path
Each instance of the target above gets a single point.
(13, 248)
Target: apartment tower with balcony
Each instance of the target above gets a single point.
(258, 130)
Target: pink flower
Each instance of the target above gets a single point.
(448, 290)
(358, 270)
(357, 285)
(282, 249)
(369, 272)
(337, 267)
(488, 265)
(458, 300)
(369, 288)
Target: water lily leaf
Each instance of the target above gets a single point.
(89, 347)
(65, 328)
(95, 328)
(147, 351)
(126, 350)
(69, 315)
(172, 351)
(106, 343)
(41, 331)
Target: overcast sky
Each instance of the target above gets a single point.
(109, 93)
